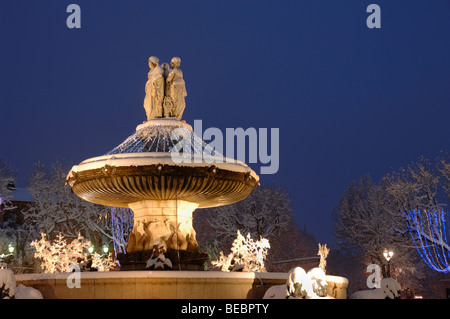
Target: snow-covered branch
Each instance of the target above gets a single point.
(246, 255)
(56, 209)
(264, 213)
(59, 254)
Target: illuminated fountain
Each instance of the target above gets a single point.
(163, 172)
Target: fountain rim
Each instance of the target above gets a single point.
(158, 158)
(172, 274)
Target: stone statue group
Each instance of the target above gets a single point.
(165, 90)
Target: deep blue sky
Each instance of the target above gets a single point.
(348, 99)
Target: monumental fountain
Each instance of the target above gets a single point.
(163, 172)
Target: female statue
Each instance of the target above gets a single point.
(176, 89)
(154, 90)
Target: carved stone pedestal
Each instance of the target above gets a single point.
(166, 223)
(162, 222)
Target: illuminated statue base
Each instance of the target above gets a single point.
(162, 222)
(162, 227)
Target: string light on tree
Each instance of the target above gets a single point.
(429, 235)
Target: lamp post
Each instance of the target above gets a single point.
(105, 250)
(3, 256)
(388, 254)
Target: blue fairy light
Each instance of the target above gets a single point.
(430, 240)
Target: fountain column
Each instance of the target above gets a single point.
(167, 222)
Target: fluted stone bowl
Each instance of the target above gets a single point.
(120, 179)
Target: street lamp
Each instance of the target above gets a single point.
(388, 256)
(105, 249)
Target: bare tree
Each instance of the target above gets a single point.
(443, 167)
(403, 211)
(418, 187)
(367, 222)
(56, 209)
(420, 195)
(264, 213)
(7, 184)
(12, 230)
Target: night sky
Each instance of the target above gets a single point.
(348, 100)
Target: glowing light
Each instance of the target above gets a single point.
(388, 255)
(429, 235)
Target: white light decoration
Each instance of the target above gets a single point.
(246, 255)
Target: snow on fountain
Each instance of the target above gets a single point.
(163, 172)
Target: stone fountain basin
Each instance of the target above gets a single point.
(166, 285)
(120, 179)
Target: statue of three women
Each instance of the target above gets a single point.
(165, 90)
